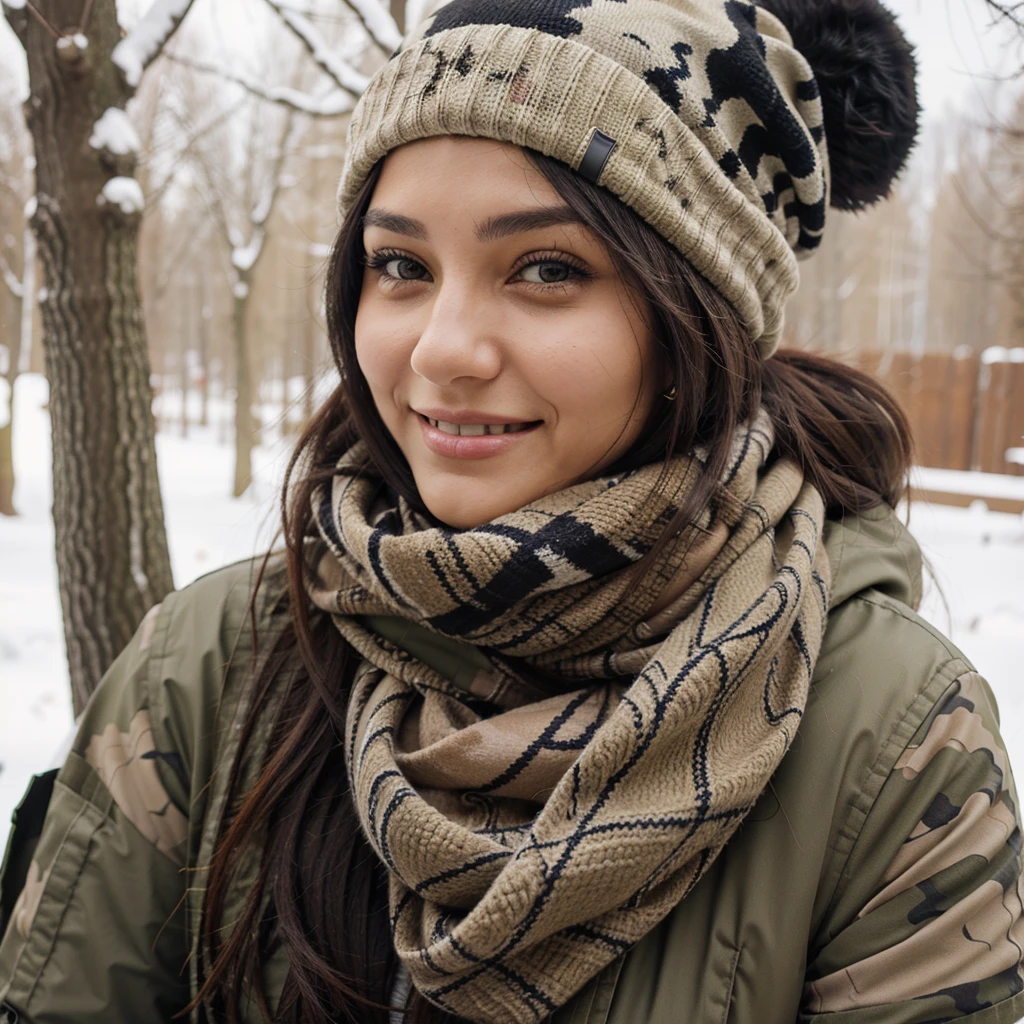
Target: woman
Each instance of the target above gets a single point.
(589, 688)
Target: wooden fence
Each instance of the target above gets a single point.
(967, 411)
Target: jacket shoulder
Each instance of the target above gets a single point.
(203, 641)
(881, 672)
(926, 848)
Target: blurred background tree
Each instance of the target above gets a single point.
(17, 271)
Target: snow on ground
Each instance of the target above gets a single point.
(976, 596)
(206, 529)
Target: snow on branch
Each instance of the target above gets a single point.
(124, 193)
(244, 257)
(11, 279)
(333, 104)
(377, 21)
(10, 184)
(144, 42)
(114, 133)
(344, 76)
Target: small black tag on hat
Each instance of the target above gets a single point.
(596, 156)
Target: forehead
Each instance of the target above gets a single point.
(459, 172)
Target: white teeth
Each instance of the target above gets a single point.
(476, 429)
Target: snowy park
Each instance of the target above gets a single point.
(597, 697)
(975, 590)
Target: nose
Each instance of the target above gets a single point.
(459, 338)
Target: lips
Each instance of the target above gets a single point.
(477, 429)
(470, 440)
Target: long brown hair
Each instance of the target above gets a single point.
(319, 891)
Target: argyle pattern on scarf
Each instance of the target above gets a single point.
(540, 820)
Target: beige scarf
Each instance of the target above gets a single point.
(542, 817)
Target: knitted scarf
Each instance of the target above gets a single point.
(541, 816)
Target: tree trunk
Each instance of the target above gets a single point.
(205, 312)
(185, 328)
(112, 558)
(309, 350)
(7, 464)
(14, 346)
(244, 425)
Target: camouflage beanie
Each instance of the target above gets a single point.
(716, 121)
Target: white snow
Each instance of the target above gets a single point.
(977, 556)
(378, 21)
(76, 42)
(998, 354)
(15, 5)
(957, 481)
(30, 207)
(135, 558)
(347, 77)
(244, 257)
(331, 103)
(145, 41)
(10, 279)
(240, 290)
(115, 133)
(206, 528)
(123, 192)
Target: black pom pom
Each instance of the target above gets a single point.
(865, 70)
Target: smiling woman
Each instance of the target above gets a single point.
(503, 351)
(589, 688)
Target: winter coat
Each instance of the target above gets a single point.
(877, 879)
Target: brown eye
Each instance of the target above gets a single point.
(547, 273)
(405, 269)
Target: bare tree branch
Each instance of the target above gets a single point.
(345, 77)
(192, 138)
(11, 279)
(11, 186)
(244, 257)
(147, 39)
(333, 104)
(1012, 12)
(379, 25)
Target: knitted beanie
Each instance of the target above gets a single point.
(716, 121)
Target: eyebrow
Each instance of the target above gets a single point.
(492, 229)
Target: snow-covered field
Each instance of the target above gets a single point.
(977, 558)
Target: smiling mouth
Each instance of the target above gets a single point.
(479, 429)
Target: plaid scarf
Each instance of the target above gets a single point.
(543, 813)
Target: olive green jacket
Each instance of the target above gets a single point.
(877, 879)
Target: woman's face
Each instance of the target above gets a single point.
(503, 351)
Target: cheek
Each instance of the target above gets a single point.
(380, 353)
(600, 372)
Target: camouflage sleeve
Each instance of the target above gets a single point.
(98, 932)
(929, 924)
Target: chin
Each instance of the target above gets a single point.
(470, 511)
